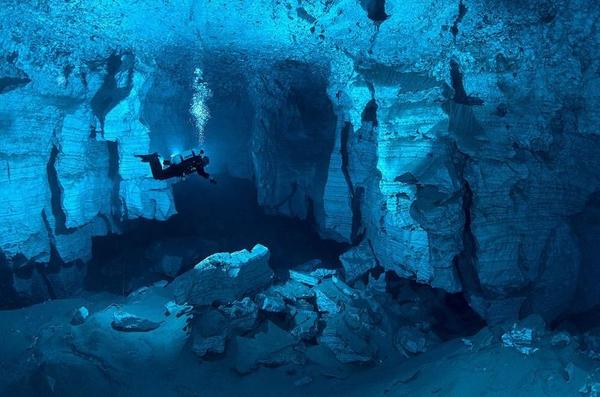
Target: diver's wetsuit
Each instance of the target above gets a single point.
(195, 164)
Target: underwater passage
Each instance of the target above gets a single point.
(300, 197)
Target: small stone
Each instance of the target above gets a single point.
(303, 381)
(521, 339)
(323, 273)
(173, 308)
(271, 303)
(126, 322)
(411, 340)
(80, 316)
(304, 278)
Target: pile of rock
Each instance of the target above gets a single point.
(238, 308)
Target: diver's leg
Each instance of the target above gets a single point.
(158, 172)
(146, 158)
(155, 165)
(157, 169)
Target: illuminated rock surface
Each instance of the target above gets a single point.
(460, 143)
(451, 143)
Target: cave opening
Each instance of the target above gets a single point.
(225, 217)
(269, 145)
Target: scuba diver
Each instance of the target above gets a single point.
(180, 165)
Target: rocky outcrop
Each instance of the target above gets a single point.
(224, 277)
(458, 138)
(70, 122)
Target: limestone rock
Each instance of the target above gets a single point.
(272, 303)
(357, 261)
(305, 320)
(80, 315)
(293, 290)
(224, 277)
(273, 347)
(242, 315)
(126, 322)
(412, 340)
(521, 339)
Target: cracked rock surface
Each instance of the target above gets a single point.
(459, 138)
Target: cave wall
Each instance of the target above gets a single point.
(459, 138)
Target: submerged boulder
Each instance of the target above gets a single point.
(225, 277)
(357, 262)
(126, 322)
(413, 340)
(80, 315)
(272, 348)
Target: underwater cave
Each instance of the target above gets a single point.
(353, 198)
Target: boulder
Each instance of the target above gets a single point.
(80, 316)
(173, 308)
(293, 290)
(224, 277)
(357, 261)
(305, 320)
(271, 303)
(241, 315)
(411, 340)
(126, 322)
(521, 339)
(273, 347)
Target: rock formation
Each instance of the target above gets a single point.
(458, 140)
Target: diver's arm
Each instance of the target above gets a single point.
(206, 175)
(202, 173)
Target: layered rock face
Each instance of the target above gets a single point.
(70, 124)
(456, 140)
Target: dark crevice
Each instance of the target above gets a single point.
(460, 95)
(369, 113)
(357, 232)
(56, 195)
(113, 174)
(468, 256)
(378, 269)
(462, 11)
(12, 83)
(43, 270)
(110, 94)
(375, 10)
(345, 135)
(302, 13)
(407, 178)
(466, 260)
(8, 296)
